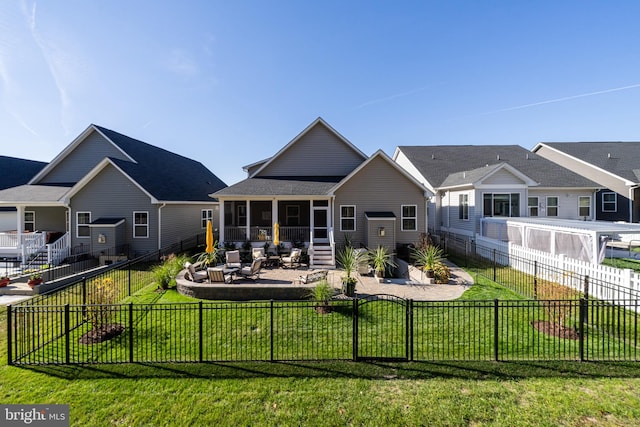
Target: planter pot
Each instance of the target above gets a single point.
(349, 287)
(4, 282)
(33, 283)
(430, 274)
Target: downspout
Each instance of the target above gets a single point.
(160, 225)
(631, 189)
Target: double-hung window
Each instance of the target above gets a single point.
(463, 207)
(140, 224)
(409, 217)
(83, 219)
(609, 202)
(29, 221)
(552, 206)
(532, 205)
(207, 215)
(584, 206)
(347, 218)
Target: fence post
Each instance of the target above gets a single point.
(67, 351)
(271, 329)
(200, 331)
(129, 277)
(354, 311)
(535, 279)
(494, 264)
(130, 332)
(84, 296)
(495, 329)
(9, 335)
(583, 317)
(409, 329)
(466, 253)
(586, 286)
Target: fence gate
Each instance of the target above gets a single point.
(382, 328)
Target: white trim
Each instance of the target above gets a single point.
(134, 225)
(461, 213)
(580, 207)
(348, 217)
(557, 206)
(615, 201)
(87, 224)
(402, 218)
(24, 224)
(537, 206)
(204, 219)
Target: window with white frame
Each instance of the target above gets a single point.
(409, 217)
(609, 202)
(29, 221)
(241, 215)
(532, 205)
(83, 219)
(584, 206)
(207, 215)
(463, 207)
(140, 224)
(347, 218)
(501, 204)
(552, 206)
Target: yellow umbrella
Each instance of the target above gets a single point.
(276, 234)
(209, 237)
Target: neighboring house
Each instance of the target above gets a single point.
(471, 182)
(14, 172)
(107, 192)
(322, 190)
(613, 165)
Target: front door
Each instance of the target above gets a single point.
(320, 224)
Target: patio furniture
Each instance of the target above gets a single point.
(316, 276)
(217, 275)
(272, 261)
(233, 259)
(258, 253)
(251, 271)
(193, 275)
(293, 258)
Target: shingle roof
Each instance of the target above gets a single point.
(33, 193)
(437, 163)
(619, 158)
(165, 175)
(17, 171)
(281, 186)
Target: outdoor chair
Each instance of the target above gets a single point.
(251, 271)
(258, 253)
(233, 259)
(293, 258)
(316, 276)
(216, 275)
(196, 276)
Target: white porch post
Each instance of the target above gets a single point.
(220, 221)
(19, 219)
(248, 225)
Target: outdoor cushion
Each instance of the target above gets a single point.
(258, 253)
(196, 276)
(253, 270)
(293, 258)
(216, 275)
(233, 259)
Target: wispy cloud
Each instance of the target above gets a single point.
(391, 97)
(181, 63)
(566, 98)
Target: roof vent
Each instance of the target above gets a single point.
(498, 157)
(608, 155)
(433, 156)
(464, 174)
(527, 156)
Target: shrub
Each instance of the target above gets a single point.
(102, 293)
(165, 274)
(441, 273)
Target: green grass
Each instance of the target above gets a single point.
(633, 264)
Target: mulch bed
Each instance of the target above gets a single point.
(104, 333)
(555, 330)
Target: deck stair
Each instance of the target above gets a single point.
(322, 257)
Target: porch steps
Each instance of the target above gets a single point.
(322, 256)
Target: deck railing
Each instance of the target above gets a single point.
(260, 234)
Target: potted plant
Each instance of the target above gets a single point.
(427, 258)
(4, 281)
(381, 260)
(34, 280)
(348, 259)
(322, 294)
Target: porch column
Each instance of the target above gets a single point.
(248, 225)
(274, 211)
(20, 220)
(220, 221)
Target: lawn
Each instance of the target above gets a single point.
(333, 393)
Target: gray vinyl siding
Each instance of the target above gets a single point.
(81, 160)
(317, 153)
(111, 194)
(451, 212)
(502, 177)
(50, 219)
(567, 202)
(379, 187)
(182, 221)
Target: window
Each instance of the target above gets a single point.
(140, 224)
(347, 218)
(552, 206)
(409, 218)
(463, 207)
(242, 215)
(29, 221)
(584, 206)
(83, 219)
(207, 215)
(609, 202)
(532, 204)
(498, 204)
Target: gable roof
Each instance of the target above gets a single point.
(281, 186)
(618, 158)
(476, 176)
(17, 171)
(164, 175)
(436, 163)
(316, 122)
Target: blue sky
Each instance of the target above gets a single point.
(230, 82)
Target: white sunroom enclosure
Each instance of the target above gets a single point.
(583, 240)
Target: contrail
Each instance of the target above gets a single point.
(566, 98)
(389, 98)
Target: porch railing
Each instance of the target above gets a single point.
(59, 250)
(31, 244)
(257, 234)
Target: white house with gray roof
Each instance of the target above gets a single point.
(322, 190)
(471, 182)
(613, 165)
(107, 192)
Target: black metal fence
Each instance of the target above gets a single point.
(379, 327)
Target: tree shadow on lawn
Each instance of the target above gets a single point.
(347, 369)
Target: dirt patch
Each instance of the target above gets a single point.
(324, 309)
(555, 330)
(101, 334)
